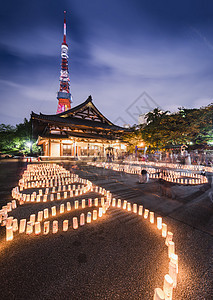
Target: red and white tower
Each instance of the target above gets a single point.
(64, 95)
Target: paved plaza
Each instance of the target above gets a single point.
(120, 256)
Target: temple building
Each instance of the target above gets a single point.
(81, 131)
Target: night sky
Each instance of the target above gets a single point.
(118, 50)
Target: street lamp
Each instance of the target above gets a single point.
(29, 144)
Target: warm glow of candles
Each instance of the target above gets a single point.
(168, 238)
(168, 287)
(174, 259)
(15, 225)
(46, 213)
(164, 230)
(129, 208)
(119, 203)
(90, 202)
(65, 195)
(55, 226)
(171, 248)
(124, 204)
(32, 218)
(46, 227)
(96, 201)
(58, 196)
(37, 227)
(89, 217)
(159, 294)
(22, 226)
(9, 233)
(75, 223)
(65, 225)
(100, 212)
(61, 208)
(102, 201)
(40, 216)
(82, 219)
(9, 222)
(68, 206)
(76, 204)
(173, 271)
(29, 228)
(146, 214)
(135, 208)
(113, 202)
(140, 211)
(53, 209)
(95, 215)
(151, 217)
(83, 203)
(159, 223)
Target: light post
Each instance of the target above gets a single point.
(29, 144)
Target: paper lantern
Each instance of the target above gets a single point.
(96, 201)
(119, 203)
(9, 206)
(174, 259)
(47, 191)
(9, 233)
(82, 219)
(159, 294)
(102, 201)
(53, 190)
(65, 225)
(45, 198)
(37, 227)
(171, 248)
(9, 221)
(53, 209)
(46, 227)
(83, 203)
(65, 195)
(71, 193)
(146, 214)
(51, 197)
(40, 192)
(76, 204)
(124, 204)
(100, 212)
(168, 287)
(38, 199)
(13, 204)
(55, 226)
(40, 216)
(151, 217)
(104, 209)
(113, 202)
(89, 217)
(68, 206)
(168, 238)
(32, 218)
(129, 208)
(75, 223)
(173, 271)
(95, 215)
(135, 208)
(58, 196)
(61, 208)
(164, 230)
(159, 223)
(22, 226)
(46, 213)
(29, 228)
(28, 198)
(140, 211)
(15, 225)
(90, 202)
(76, 192)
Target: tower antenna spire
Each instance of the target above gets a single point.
(65, 28)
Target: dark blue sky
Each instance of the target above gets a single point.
(117, 50)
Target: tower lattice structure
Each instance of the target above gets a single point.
(64, 95)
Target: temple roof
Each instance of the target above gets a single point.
(85, 114)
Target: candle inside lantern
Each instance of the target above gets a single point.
(124, 204)
(164, 230)
(96, 201)
(119, 203)
(173, 273)
(9, 221)
(83, 203)
(13, 204)
(82, 219)
(159, 294)
(32, 218)
(15, 225)
(140, 211)
(168, 238)
(151, 217)
(146, 214)
(100, 212)
(68, 206)
(135, 208)
(58, 196)
(90, 202)
(94, 215)
(65, 195)
(171, 248)
(159, 223)
(168, 287)
(52, 197)
(53, 209)
(174, 259)
(65, 225)
(89, 217)
(76, 204)
(40, 216)
(45, 198)
(37, 227)
(129, 208)
(9, 233)
(113, 202)
(55, 226)
(46, 213)
(46, 227)
(29, 228)
(38, 199)
(75, 223)
(102, 201)
(61, 208)
(22, 225)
